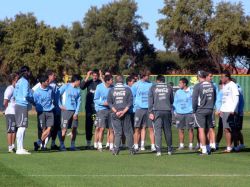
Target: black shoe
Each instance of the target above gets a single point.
(54, 147)
(36, 146)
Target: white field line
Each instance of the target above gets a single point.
(125, 175)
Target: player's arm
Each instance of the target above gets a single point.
(195, 97)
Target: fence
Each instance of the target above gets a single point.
(242, 80)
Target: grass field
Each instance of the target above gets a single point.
(93, 168)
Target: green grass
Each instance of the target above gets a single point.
(81, 168)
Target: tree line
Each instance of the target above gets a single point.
(195, 33)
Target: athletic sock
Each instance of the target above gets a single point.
(152, 146)
(46, 141)
(229, 148)
(20, 137)
(142, 143)
(107, 144)
(13, 146)
(136, 146)
(111, 146)
(10, 147)
(95, 144)
(99, 145)
(204, 149)
(212, 145)
(181, 144)
(190, 144)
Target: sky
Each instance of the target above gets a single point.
(64, 12)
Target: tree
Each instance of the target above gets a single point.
(113, 36)
(230, 34)
(184, 30)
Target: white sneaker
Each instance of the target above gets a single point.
(158, 154)
(153, 149)
(22, 152)
(180, 147)
(142, 148)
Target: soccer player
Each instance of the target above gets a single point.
(240, 118)
(103, 111)
(140, 91)
(184, 112)
(56, 129)
(203, 101)
(229, 109)
(90, 106)
(22, 96)
(44, 97)
(211, 134)
(9, 105)
(120, 99)
(70, 106)
(160, 102)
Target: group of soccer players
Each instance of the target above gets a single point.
(126, 110)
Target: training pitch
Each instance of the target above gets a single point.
(93, 168)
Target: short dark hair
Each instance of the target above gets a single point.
(119, 79)
(129, 79)
(145, 73)
(227, 74)
(95, 71)
(202, 74)
(50, 72)
(76, 77)
(43, 78)
(23, 72)
(184, 80)
(160, 78)
(107, 78)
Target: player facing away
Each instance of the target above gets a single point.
(141, 121)
(184, 112)
(229, 109)
(44, 98)
(160, 103)
(90, 85)
(70, 106)
(203, 101)
(120, 99)
(9, 105)
(22, 96)
(103, 112)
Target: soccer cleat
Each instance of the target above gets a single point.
(73, 148)
(153, 149)
(180, 148)
(22, 152)
(115, 153)
(36, 146)
(142, 148)
(54, 147)
(62, 148)
(158, 154)
(11, 151)
(227, 151)
(100, 149)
